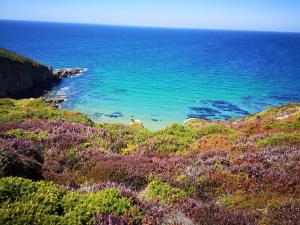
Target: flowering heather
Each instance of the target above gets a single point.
(242, 171)
(103, 219)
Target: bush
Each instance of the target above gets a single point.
(104, 219)
(212, 214)
(285, 213)
(159, 191)
(280, 140)
(27, 202)
(215, 129)
(175, 138)
(119, 138)
(11, 110)
(21, 158)
(28, 135)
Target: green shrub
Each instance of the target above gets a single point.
(82, 207)
(26, 202)
(28, 135)
(174, 138)
(280, 140)
(120, 138)
(11, 110)
(215, 129)
(157, 190)
(6, 102)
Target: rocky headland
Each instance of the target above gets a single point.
(22, 77)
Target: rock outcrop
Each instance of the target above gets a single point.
(68, 72)
(21, 77)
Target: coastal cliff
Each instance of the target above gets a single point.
(22, 77)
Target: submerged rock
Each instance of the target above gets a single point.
(115, 115)
(54, 98)
(67, 72)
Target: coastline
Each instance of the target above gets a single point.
(54, 152)
(91, 171)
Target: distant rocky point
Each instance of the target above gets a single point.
(68, 72)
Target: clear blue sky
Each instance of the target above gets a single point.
(277, 15)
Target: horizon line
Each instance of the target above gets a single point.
(148, 26)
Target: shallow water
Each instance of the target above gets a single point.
(162, 76)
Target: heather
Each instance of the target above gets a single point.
(72, 171)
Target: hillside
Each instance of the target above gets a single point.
(22, 77)
(73, 171)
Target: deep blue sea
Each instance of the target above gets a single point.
(161, 76)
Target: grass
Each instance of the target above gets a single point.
(215, 129)
(13, 110)
(6, 54)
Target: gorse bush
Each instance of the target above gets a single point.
(26, 202)
(159, 191)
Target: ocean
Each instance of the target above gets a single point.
(162, 76)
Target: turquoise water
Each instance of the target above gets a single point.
(161, 76)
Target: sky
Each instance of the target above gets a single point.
(266, 15)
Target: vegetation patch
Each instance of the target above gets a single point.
(280, 140)
(173, 139)
(12, 110)
(215, 129)
(160, 191)
(27, 202)
(242, 171)
(39, 136)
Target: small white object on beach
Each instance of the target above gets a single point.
(135, 121)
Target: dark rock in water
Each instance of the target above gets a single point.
(205, 111)
(54, 101)
(198, 116)
(155, 120)
(229, 107)
(98, 114)
(21, 77)
(54, 98)
(67, 72)
(115, 115)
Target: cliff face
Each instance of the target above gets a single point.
(22, 77)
